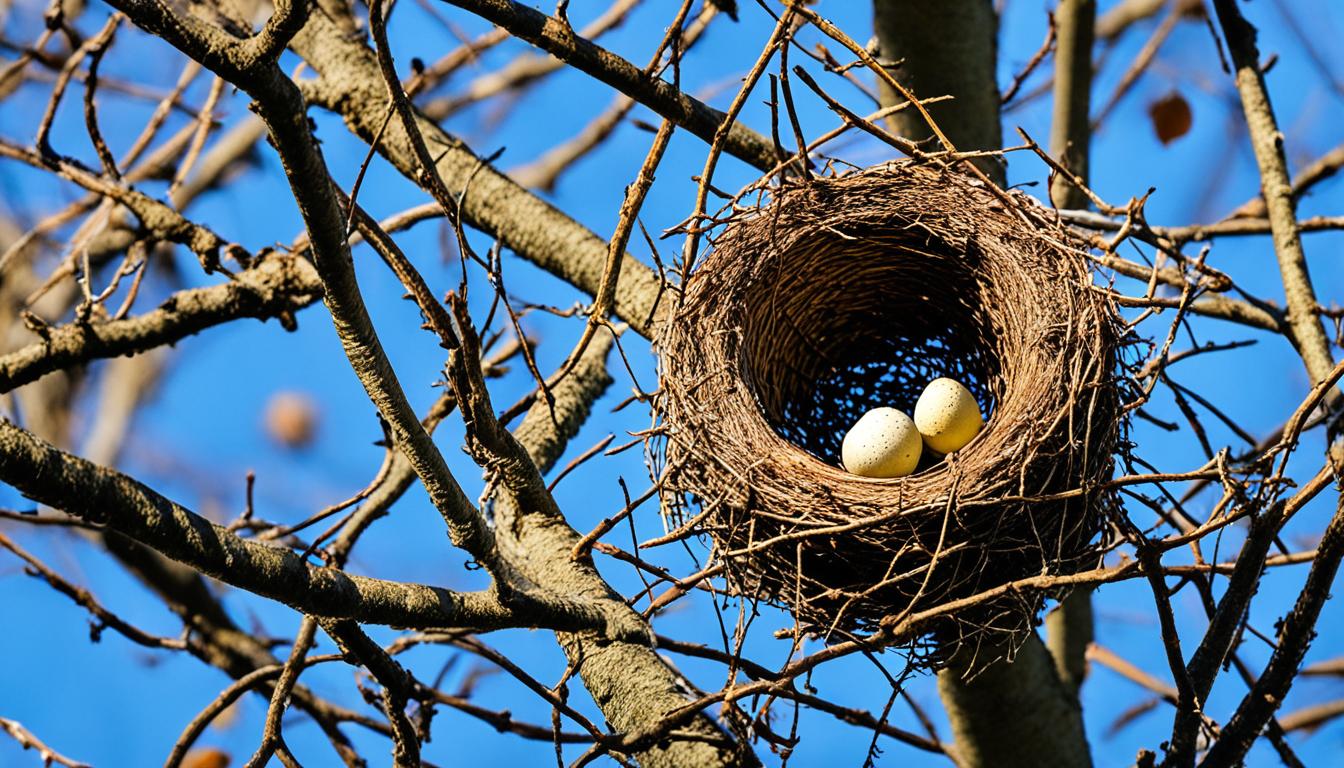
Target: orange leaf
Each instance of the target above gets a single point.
(207, 758)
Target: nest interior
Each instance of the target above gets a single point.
(843, 294)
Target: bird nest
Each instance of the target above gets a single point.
(844, 294)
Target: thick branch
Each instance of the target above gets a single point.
(238, 60)
(524, 71)
(630, 682)
(107, 498)
(494, 203)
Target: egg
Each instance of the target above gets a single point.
(882, 443)
(947, 415)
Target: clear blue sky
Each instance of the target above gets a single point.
(115, 704)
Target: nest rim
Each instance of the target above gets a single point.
(710, 414)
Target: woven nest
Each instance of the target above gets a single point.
(844, 294)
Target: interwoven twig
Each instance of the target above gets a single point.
(843, 294)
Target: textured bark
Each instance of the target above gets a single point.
(1069, 629)
(1013, 713)
(120, 504)
(494, 203)
(630, 682)
(1267, 141)
(947, 48)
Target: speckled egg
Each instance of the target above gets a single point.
(882, 443)
(947, 415)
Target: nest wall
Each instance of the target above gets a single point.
(844, 294)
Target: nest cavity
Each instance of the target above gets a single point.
(847, 293)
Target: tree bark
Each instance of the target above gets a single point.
(1015, 712)
(947, 48)
(1069, 628)
(632, 685)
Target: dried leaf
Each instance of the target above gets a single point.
(207, 758)
(291, 419)
(1171, 117)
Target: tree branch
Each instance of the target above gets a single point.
(278, 103)
(1308, 336)
(107, 498)
(274, 286)
(634, 687)
(1296, 632)
(398, 687)
(1307, 333)
(559, 39)
(495, 204)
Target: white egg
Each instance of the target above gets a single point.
(882, 443)
(947, 415)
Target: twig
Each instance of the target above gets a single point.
(87, 601)
(27, 740)
(1033, 62)
(557, 39)
(225, 699)
(289, 676)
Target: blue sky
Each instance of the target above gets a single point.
(111, 703)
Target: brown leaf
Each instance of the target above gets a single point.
(291, 419)
(1193, 9)
(1171, 117)
(208, 757)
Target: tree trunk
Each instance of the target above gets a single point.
(1070, 627)
(1015, 712)
(947, 48)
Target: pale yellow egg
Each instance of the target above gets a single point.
(882, 443)
(947, 415)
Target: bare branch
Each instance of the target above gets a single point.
(558, 39)
(275, 286)
(113, 500)
(521, 221)
(1307, 333)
